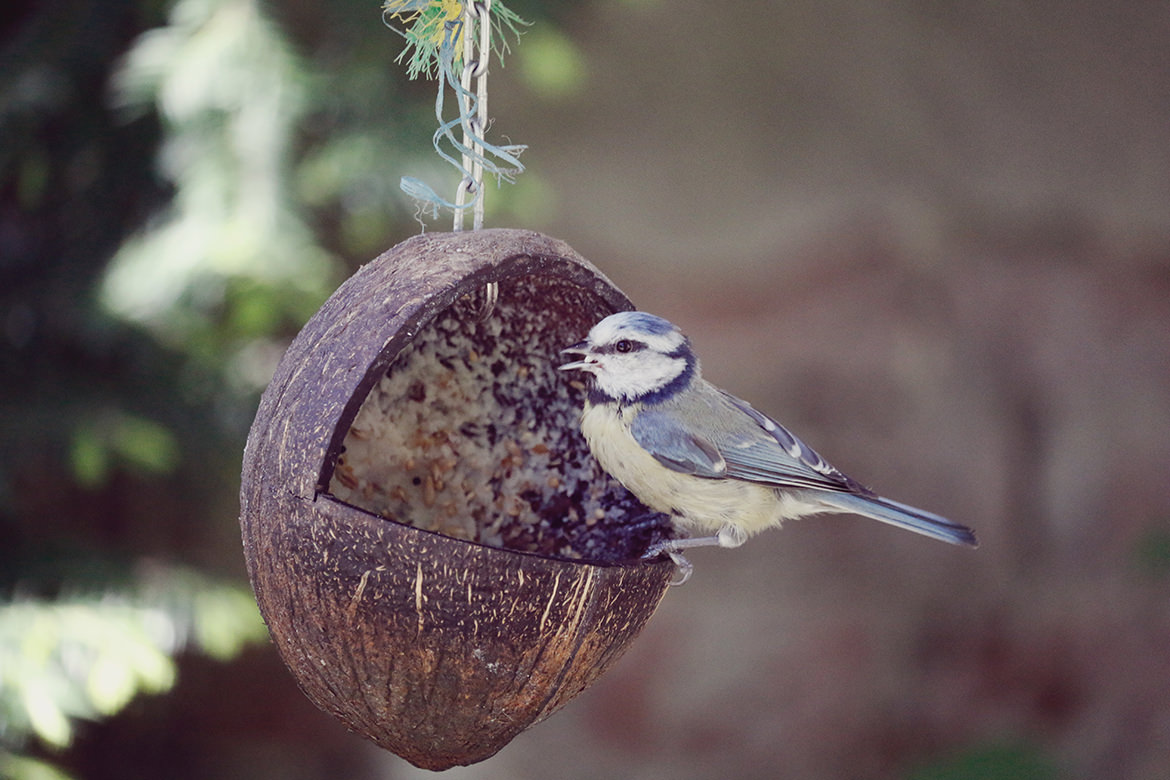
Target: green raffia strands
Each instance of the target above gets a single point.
(428, 28)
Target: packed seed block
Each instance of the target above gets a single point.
(473, 433)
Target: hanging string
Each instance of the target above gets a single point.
(463, 31)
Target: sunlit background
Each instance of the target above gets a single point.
(932, 239)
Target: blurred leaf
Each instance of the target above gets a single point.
(145, 444)
(88, 458)
(15, 767)
(125, 668)
(226, 619)
(233, 92)
(45, 717)
(111, 684)
(1153, 551)
(32, 180)
(551, 64)
(531, 198)
(112, 436)
(88, 656)
(994, 762)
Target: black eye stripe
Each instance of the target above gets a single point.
(624, 346)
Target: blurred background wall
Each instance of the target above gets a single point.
(932, 239)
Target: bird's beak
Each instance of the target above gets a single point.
(587, 361)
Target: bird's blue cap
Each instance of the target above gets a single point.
(648, 323)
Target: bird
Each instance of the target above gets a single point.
(720, 469)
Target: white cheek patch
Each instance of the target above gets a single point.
(633, 375)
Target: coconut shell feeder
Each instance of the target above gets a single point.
(440, 561)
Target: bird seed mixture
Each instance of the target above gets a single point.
(474, 433)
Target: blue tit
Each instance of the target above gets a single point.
(720, 469)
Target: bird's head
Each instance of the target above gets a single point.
(634, 356)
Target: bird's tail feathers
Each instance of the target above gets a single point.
(902, 516)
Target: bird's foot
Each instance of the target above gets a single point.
(683, 567)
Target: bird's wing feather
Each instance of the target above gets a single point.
(763, 450)
(724, 437)
(675, 447)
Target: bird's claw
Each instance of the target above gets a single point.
(683, 567)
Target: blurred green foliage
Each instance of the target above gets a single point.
(25, 768)
(1152, 551)
(551, 65)
(230, 93)
(86, 655)
(101, 445)
(992, 762)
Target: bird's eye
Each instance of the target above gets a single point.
(624, 346)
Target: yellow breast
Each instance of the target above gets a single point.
(703, 505)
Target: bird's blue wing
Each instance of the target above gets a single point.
(675, 447)
(768, 452)
(726, 438)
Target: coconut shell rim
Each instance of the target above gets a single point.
(631, 563)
